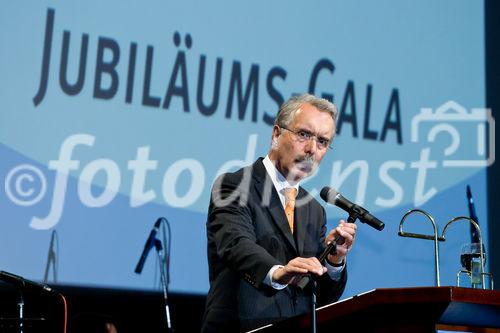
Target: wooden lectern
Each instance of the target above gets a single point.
(425, 309)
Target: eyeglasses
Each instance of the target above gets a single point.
(303, 136)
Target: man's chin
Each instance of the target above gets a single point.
(299, 173)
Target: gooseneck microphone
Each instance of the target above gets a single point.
(335, 198)
(150, 242)
(474, 237)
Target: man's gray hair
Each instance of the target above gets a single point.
(289, 108)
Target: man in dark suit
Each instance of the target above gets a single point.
(265, 231)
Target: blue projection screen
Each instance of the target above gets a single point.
(113, 114)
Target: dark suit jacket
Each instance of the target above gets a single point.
(247, 234)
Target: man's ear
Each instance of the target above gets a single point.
(276, 133)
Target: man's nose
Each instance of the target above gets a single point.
(311, 146)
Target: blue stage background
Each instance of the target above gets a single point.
(145, 104)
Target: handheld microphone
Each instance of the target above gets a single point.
(150, 242)
(333, 197)
(22, 282)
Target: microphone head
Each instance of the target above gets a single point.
(158, 222)
(324, 193)
(327, 193)
(469, 193)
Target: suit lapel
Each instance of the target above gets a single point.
(301, 219)
(270, 201)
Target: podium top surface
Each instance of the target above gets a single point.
(423, 295)
(424, 306)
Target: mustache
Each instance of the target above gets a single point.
(306, 160)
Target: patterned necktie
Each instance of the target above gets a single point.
(290, 194)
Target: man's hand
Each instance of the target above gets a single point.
(296, 268)
(348, 232)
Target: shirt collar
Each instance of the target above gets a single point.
(279, 181)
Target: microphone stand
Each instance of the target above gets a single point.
(314, 318)
(164, 282)
(51, 258)
(162, 259)
(331, 248)
(20, 305)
